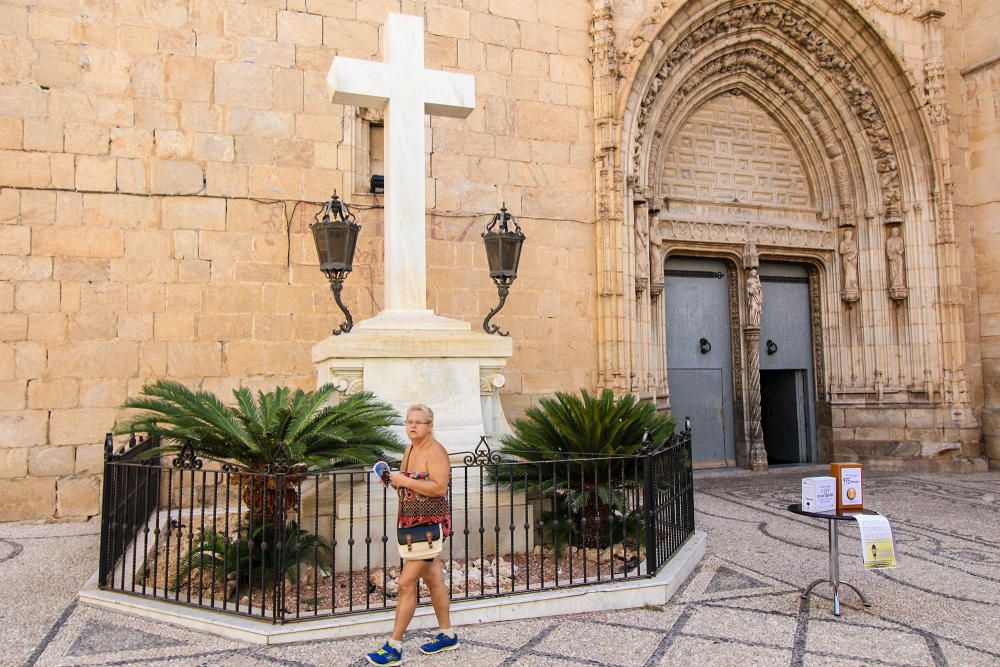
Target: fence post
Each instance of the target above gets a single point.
(649, 514)
(689, 468)
(280, 482)
(104, 566)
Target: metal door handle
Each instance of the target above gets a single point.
(704, 346)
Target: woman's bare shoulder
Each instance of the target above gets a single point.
(438, 452)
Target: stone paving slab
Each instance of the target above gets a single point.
(741, 606)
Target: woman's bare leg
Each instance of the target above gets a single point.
(406, 602)
(439, 593)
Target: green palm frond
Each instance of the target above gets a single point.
(580, 453)
(305, 427)
(569, 425)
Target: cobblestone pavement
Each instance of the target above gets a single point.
(741, 606)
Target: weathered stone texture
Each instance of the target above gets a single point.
(27, 498)
(51, 461)
(23, 428)
(80, 426)
(976, 176)
(78, 497)
(89, 459)
(731, 149)
(13, 463)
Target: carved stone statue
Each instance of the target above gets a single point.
(655, 256)
(849, 258)
(755, 299)
(894, 261)
(641, 250)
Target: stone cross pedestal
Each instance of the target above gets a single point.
(407, 354)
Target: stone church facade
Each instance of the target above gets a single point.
(779, 218)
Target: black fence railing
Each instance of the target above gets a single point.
(284, 546)
(131, 494)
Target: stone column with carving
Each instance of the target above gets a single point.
(755, 434)
(751, 336)
(614, 304)
(951, 306)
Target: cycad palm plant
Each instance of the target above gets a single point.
(245, 562)
(303, 430)
(584, 447)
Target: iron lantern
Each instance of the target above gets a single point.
(503, 252)
(336, 237)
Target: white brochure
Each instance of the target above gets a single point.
(878, 550)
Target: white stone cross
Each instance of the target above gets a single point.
(406, 91)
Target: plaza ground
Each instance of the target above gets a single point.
(741, 606)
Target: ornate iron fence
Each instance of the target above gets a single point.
(669, 493)
(131, 494)
(283, 546)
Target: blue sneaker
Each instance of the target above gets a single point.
(386, 655)
(440, 644)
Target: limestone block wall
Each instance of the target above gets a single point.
(160, 164)
(978, 195)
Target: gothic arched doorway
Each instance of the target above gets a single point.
(835, 171)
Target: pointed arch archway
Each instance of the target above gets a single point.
(887, 329)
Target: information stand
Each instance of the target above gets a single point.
(832, 522)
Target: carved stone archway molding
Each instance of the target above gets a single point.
(753, 72)
(812, 43)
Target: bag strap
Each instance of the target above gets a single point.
(404, 466)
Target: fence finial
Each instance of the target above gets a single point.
(482, 454)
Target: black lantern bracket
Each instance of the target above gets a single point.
(336, 235)
(503, 252)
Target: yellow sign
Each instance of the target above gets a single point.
(878, 550)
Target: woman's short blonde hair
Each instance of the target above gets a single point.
(420, 407)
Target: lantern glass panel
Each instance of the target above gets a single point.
(510, 255)
(339, 239)
(493, 251)
(350, 243)
(322, 243)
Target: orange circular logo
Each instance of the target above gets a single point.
(852, 494)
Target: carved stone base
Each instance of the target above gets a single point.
(758, 456)
(897, 293)
(434, 361)
(849, 295)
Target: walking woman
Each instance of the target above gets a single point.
(425, 472)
